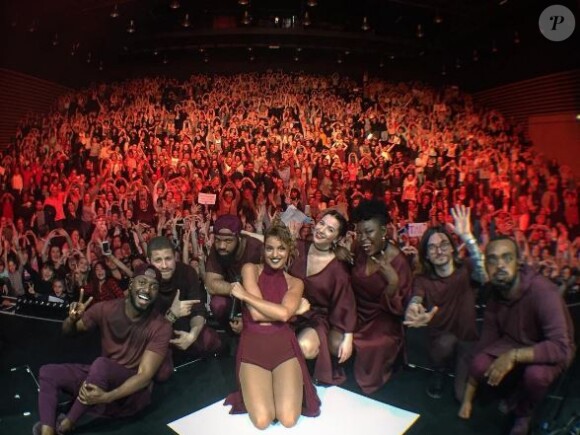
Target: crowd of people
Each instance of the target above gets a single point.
(192, 176)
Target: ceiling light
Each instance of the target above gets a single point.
(174, 4)
(186, 23)
(115, 12)
(296, 58)
(420, 33)
(457, 63)
(311, 3)
(246, 19)
(165, 60)
(365, 24)
(101, 65)
(475, 56)
(443, 71)
(89, 57)
(494, 47)
(437, 19)
(243, 2)
(306, 22)
(131, 28)
(516, 37)
(155, 52)
(55, 40)
(32, 27)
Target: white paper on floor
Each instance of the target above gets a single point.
(342, 413)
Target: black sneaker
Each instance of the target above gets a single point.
(435, 387)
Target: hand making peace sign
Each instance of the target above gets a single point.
(77, 309)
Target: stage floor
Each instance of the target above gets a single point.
(30, 343)
(342, 413)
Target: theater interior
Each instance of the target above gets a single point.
(493, 54)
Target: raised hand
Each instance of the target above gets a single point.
(182, 308)
(77, 309)
(462, 223)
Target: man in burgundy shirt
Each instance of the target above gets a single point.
(230, 251)
(135, 349)
(527, 337)
(448, 287)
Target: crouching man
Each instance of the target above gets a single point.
(134, 342)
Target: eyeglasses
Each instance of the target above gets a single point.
(443, 247)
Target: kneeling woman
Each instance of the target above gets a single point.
(272, 373)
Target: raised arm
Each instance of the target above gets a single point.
(462, 227)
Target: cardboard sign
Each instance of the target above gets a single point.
(206, 198)
(416, 229)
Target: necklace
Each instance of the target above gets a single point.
(322, 250)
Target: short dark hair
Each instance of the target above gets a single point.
(371, 209)
(502, 237)
(158, 243)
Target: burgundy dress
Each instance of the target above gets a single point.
(332, 305)
(378, 338)
(257, 341)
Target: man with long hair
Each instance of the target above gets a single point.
(444, 297)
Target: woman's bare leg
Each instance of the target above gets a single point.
(467, 404)
(309, 343)
(258, 395)
(288, 392)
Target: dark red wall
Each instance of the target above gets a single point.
(21, 94)
(548, 107)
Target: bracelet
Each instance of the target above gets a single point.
(416, 300)
(170, 315)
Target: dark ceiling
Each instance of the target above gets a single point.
(474, 43)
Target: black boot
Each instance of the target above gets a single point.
(436, 382)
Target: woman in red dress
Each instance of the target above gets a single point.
(381, 280)
(325, 332)
(272, 375)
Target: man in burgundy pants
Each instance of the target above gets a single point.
(134, 341)
(527, 338)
